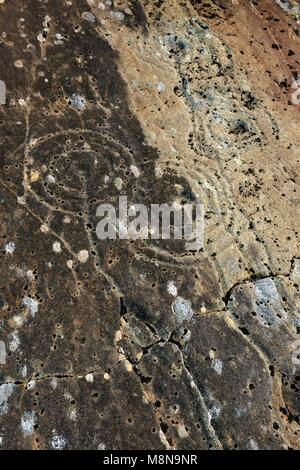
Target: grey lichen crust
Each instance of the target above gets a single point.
(114, 344)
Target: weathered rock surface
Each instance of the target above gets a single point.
(143, 345)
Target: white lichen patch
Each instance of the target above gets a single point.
(13, 341)
(161, 87)
(57, 247)
(72, 414)
(118, 183)
(54, 383)
(252, 444)
(59, 39)
(50, 179)
(58, 442)
(296, 92)
(21, 200)
(86, 15)
(31, 305)
(77, 102)
(6, 390)
(9, 248)
(218, 366)
(214, 411)
(18, 321)
(31, 385)
(182, 310)
(289, 6)
(296, 268)
(268, 303)
(182, 432)
(135, 171)
(83, 256)
(2, 92)
(44, 228)
(29, 274)
(28, 421)
(117, 15)
(2, 353)
(70, 264)
(172, 289)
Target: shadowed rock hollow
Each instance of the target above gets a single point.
(119, 344)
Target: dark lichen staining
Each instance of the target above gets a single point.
(123, 344)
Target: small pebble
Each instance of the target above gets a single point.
(86, 15)
(57, 247)
(44, 228)
(83, 256)
(19, 64)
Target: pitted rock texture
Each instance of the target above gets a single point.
(121, 344)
